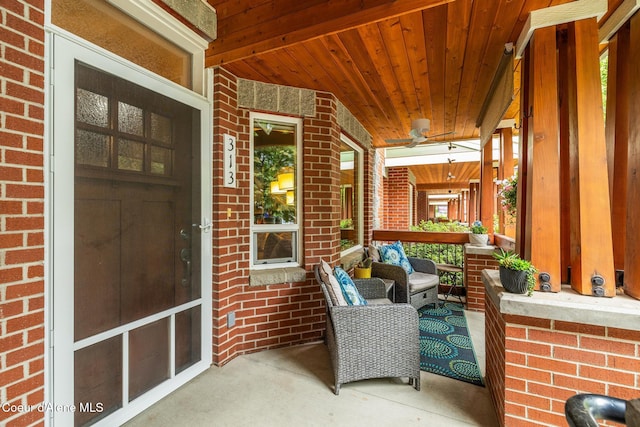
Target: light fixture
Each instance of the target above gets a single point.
(275, 188)
(286, 179)
(266, 127)
(291, 198)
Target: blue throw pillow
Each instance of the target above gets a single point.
(394, 254)
(349, 289)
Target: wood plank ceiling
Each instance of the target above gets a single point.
(388, 62)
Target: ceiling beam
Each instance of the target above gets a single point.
(559, 14)
(265, 28)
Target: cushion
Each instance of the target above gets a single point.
(349, 290)
(394, 254)
(332, 285)
(374, 253)
(420, 281)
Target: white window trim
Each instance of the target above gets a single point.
(297, 227)
(359, 197)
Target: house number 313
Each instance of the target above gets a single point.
(230, 179)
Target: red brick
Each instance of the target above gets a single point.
(579, 356)
(24, 26)
(553, 337)
(623, 363)
(607, 375)
(579, 328)
(528, 374)
(11, 240)
(580, 385)
(624, 334)
(20, 256)
(16, 191)
(25, 322)
(24, 289)
(553, 365)
(25, 386)
(528, 321)
(608, 346)
(10, 207)
(8, 275)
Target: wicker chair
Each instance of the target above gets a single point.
(419, 288)
(371, 341)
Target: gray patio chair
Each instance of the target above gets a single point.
(419, 288)
(371, 341)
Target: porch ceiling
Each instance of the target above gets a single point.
(388, 61)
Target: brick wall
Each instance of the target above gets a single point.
(21, 208)
(476, 260)
(534, 365)
(281, 314)
(397, 191)
(422, 207)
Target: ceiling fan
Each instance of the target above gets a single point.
(450, 176)
(418, 128)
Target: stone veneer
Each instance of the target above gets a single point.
(543, 349)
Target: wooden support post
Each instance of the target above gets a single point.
(487, 194)
(632, 249)
(565, 194)
(523, 161)
(617, 134)
(591, 246)
(506, 170)
(474, 192)
(543, 195)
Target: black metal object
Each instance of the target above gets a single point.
(582, 410)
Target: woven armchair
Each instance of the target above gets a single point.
(372, 341)
(419, 288)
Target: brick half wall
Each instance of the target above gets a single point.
(534, 364)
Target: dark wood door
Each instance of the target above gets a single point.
(135, 246)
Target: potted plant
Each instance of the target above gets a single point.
(516, 275)
(478, 236)
(363, 269)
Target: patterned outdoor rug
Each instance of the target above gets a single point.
(445, 346)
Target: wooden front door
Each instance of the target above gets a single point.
(136, 242)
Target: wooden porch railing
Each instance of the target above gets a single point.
(441, 248)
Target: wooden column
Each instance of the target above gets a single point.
(487, 194)
(591, 243)
(543, 187)
(617, 134)
(632, 249)
(505, 170)
(565, 176)
(474, 192)
(523, 144)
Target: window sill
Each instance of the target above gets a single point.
(347, 262)
(276, 276)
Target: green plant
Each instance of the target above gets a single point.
(512, 261)
(478, 228)
(346, 223)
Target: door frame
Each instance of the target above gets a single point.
(59, 387)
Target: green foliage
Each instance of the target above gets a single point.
(346, 223)
(508, 190)
(441, 227)
(478, 228)
(512, 261)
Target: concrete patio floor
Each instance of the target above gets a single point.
(293, 386)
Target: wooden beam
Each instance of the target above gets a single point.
(487, 194)
(543, 179)
(617, 19)
(557, 15)
(617, 134)
(474, 192)
(632, 250)
(592, 247)
(252, 29)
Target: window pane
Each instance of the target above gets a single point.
(130, 155)
(92, 149)
(160, 161)
(274, 247)
(161, 128)
(274, 168)
(349, 197)
(130, 119)
(92, 108)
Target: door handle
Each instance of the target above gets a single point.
(185, 256)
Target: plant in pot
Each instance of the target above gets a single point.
(516, 274)
(363, 269)
(478, 236)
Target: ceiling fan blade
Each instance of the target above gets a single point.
(417, 141)
(441, 134)
(398, 141)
